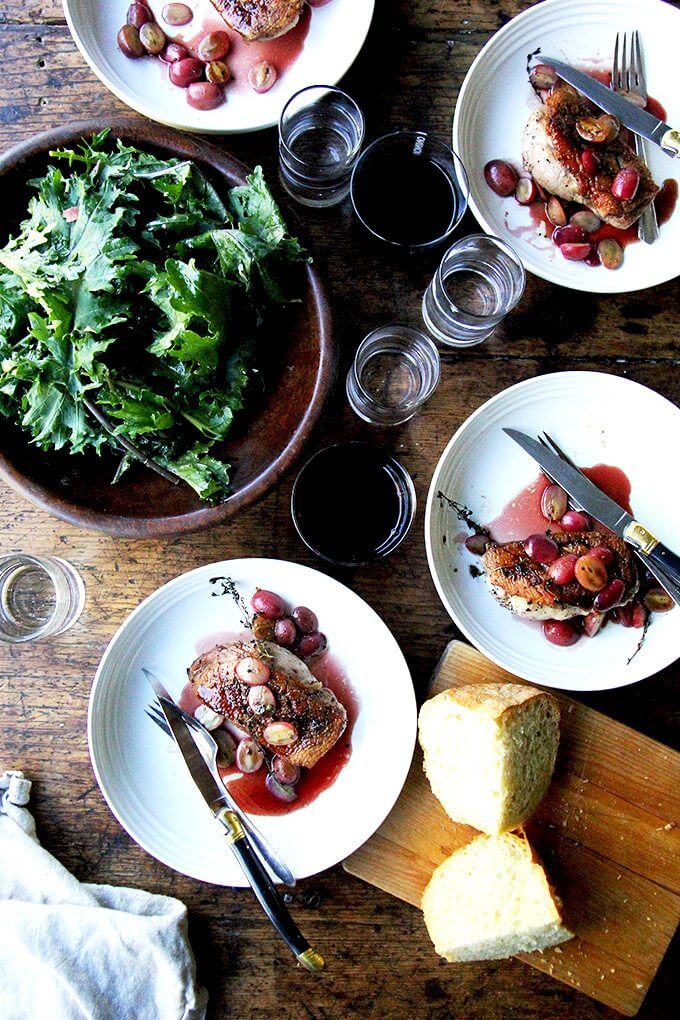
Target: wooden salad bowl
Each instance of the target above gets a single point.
(267, 436)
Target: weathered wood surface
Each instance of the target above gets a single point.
(381, 963)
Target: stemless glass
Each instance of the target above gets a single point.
(395, 370)
(409, 189)
(479, 280)
(353, 503)
(320, 135)
(40, 596)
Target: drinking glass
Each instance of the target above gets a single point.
(395, 370)
(353, 503)
(320, 135)
(40, 596)
(409, 189)
(479, 280)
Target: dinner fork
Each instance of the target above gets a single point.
(208, 747)
(629, 79)
(669, 586)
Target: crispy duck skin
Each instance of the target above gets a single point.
(301, 699)
(552, 149)
(260, 19)
(526, 589)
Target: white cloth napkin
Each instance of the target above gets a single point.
(72, 950)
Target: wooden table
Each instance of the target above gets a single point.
(380, 960)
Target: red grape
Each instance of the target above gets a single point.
(129, 42)
(281, 791)
(261, 698)
(501, 177)
(575, 520)
(305, 620)
(555, 212)
(268, 604)
(591, 572)
(525, 192)
(590, 162)
(262, 76)
(639, 615)
(249, 757)
(543, 76)
(186, 71)
(541, 548)
(610, 253)
(561, 571)
(177, 14)
(626, 184)
(213, 46)
(586, 220)
(285, 632)
(312, 644)
(571, 234)
(604, 553)
(592, 623)
(608, 597)
(138, 15)
(561, 632)
(576, 252)
(279, 732)
(553, 502)
(477, 544)
(174, 52)
(152, 38)
(658, 600)
(204, 95)
(285, 771)
(252, 671)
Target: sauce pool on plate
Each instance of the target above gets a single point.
(248, 789)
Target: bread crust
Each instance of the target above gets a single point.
(493, 699)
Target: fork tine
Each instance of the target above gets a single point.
(560, 453)
(616, 74)
(625, 70)
(161, 724)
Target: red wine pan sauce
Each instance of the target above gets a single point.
(522, 515)
(249, 790)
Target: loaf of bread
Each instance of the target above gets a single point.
(492, 899)
(489, 752)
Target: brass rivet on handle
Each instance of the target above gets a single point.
(311, 960)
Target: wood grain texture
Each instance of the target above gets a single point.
(380, 960)
(607, 830)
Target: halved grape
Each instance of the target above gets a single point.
(591, 572)
(477, 544)
(285, 771)
(593, 623)
(610, 253)
(525, 192)
(249, 757)
(280, 790)
(541, 549)
(543, 76)
(586, 220)
(658, 600)
(555, 212)
(252, 671)
(261, 699)
(553, 502)
(280, 732)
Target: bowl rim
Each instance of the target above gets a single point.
(192, 147)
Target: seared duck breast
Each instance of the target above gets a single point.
(260, 19)
(525, 587)
(317, 717)
(552, 153)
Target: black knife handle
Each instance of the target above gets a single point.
(266, 892)
(667, 561)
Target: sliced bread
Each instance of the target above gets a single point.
(492, 899)
(489, 752)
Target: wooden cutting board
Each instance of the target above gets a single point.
(608, 832)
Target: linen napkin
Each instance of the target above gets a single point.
(72, 950)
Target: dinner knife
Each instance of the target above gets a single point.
(595, 502)
(640, 121)
(254, 870)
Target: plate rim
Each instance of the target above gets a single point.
(147, 109)
(207, 569)
(539, 270)
(429, 508)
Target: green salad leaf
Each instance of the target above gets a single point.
(133, 290)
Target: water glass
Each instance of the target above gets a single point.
(320, 135)
(40, 596)
(479, 280)
(395, 370)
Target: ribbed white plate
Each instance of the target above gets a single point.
(145, 781)
(596, 419)
(336, 34)
(496, 99)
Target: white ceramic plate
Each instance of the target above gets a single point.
(596, 419)
(496, 99)
(336, 34)
(143, 777)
